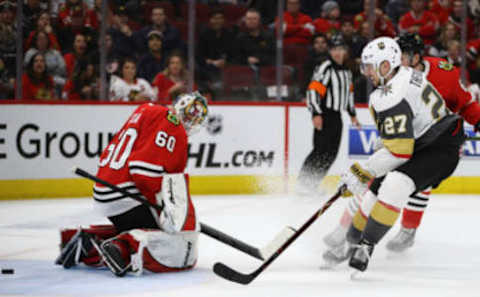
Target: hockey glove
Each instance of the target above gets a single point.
(356, 179)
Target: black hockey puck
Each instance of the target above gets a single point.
(8, 271)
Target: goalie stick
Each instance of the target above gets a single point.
(205, 229)
(228, 273)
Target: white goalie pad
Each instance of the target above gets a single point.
(174, 198)
(179, 250)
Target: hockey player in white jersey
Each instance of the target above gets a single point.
(421, 143)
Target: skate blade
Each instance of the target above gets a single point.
(356, 275)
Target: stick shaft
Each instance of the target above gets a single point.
(205, 229)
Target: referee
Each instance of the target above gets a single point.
(329, 92)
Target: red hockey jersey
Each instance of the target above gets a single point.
(151, 143)
(446, 79)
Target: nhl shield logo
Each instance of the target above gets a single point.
(214, 124)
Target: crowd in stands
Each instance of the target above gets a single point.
(146, 44)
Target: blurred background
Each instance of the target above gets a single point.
(230, 50)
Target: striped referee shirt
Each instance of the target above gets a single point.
(331, 89)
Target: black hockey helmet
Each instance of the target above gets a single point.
(411, 43)
(336, 40)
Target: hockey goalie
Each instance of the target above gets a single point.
(146, 157)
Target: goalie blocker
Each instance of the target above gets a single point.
(168, 243)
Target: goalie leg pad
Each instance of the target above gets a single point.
(158, 251)
(178, 213)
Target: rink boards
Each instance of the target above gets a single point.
(245, 148)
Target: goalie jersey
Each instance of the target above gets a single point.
(151, 143)
(409, 113)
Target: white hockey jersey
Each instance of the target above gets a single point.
(121, 91)
(409, 114)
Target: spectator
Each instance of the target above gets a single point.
(329, 22)
(297, 27)
(122, 34)
(53, 59)
(453, 53)
(43, 25)
(441, 9)
(73, 21)
(84, 83)
(456, 18)
(383, 25)
(420, 21)
(36, 83)
(316, 55)
(128, 87)
(154, 61)
(173, 80)
(255, 46)
(8, 45)
(31, 8)
(395, 9)
(7, 82)
(79, 51)
(171, 36)
(267, 9)
(354, 40)
(447, 33)
(214, 50)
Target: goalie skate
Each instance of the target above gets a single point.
(111, 253)
(402, 241)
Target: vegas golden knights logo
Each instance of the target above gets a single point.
(381, 45)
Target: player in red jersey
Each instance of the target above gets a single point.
(446, 80)
(147, 157)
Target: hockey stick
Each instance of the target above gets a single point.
(205, 229)
(474, 138)
(232, 275)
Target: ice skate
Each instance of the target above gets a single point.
(361, 255)
(336, 238)
(112, 256)
(336, 255)
(404, 239)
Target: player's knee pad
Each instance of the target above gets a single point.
(395, 189)
(178, 213)
(158, 251)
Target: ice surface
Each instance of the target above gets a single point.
(445, 260)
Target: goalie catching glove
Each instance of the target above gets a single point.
(356, 179)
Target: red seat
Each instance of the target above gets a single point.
(233, 13)
(268, 75)
(167, 7)
(295, 54)
(237, 78)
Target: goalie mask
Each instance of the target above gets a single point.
(192, 110)
(376, 52)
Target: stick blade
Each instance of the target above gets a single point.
(228, 273)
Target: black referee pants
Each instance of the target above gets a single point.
(326, 143)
